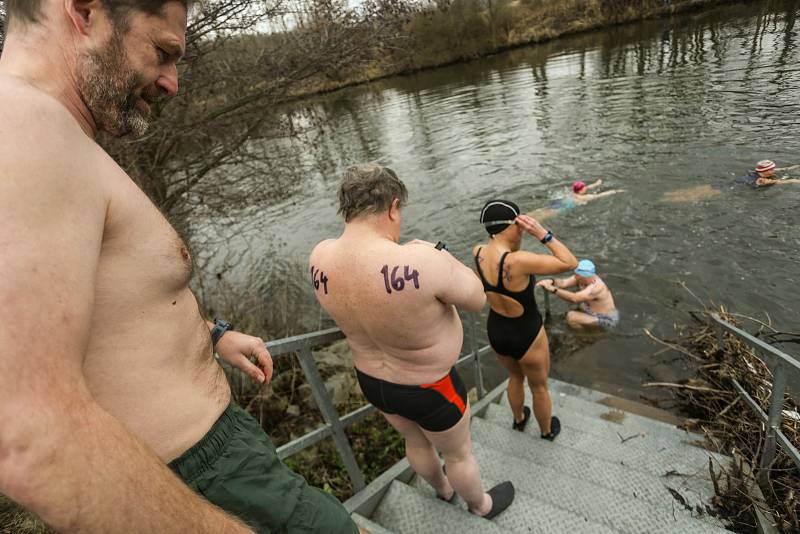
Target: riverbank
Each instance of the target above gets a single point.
(465, 30)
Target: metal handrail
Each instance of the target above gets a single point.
(334, 424)
(779, 363)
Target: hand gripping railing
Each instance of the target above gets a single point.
(779, 363)
(335, 425)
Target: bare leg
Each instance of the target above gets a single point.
(462, 469)
(516, 386)
(581, 321)
(536, 366)
(421, 455)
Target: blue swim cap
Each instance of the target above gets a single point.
(586, 269)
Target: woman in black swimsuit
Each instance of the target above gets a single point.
(515, 326)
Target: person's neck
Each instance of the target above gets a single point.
(501, 244)
(368, 228)
(47, 67)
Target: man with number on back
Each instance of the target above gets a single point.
(397, 306)
(106, 368)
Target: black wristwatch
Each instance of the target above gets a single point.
(547, 238)
(441, 245)
(220, 327)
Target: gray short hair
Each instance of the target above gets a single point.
(369, 188)
(30, 11)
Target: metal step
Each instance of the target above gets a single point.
(576, 494)
(647, 452)
(620, 419)
(369, 526)
(529, 514)
(408, 511)
(697, 490)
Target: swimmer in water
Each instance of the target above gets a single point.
(594, 296)
(762, 175)
(578, 196)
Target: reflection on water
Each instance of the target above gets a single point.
(652, 107)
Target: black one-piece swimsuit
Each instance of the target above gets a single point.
(512, 336)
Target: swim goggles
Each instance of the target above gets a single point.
(495, 223)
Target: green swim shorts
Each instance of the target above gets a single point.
(236, 467)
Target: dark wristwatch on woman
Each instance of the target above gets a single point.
(220, 327)
(547, 238)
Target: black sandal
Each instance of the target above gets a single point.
(555, 429)
(502, 496)
(525, 418)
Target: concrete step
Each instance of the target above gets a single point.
(369, 526)
(408, 511)
(633, 483)
(646, 452)
(529, 514)
(576, 494)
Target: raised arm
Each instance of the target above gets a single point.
(595, 185)
(790, 168)
(61, 455)
(788, 181)
(561, 260)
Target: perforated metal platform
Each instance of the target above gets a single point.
(590, 479)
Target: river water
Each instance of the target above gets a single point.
(651, 107)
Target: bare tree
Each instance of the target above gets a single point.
(2, 24)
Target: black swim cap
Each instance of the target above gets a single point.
(502, 211)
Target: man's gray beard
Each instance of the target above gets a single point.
(107, 84)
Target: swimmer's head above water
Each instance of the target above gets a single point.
(765, 168)
(579, 188)
(585, 270)
(497, 215)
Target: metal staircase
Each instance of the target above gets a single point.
(610, 470)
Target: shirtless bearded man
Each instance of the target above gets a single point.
(397, 306)
(106, 368)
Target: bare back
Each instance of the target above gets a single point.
(384, 298)
(105, 253)
(488, 259)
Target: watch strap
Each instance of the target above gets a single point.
(220, 327)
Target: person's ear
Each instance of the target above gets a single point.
(394, 210)
(82, 14)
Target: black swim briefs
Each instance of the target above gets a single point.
(435, 407)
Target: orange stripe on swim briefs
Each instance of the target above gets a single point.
(445, 388)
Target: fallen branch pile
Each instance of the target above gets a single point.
(728, 421)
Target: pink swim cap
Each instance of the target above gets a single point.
(577, 186)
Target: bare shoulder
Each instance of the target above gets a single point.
(319, 250)
(42, 144)
(26, 109)
(50, 170)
